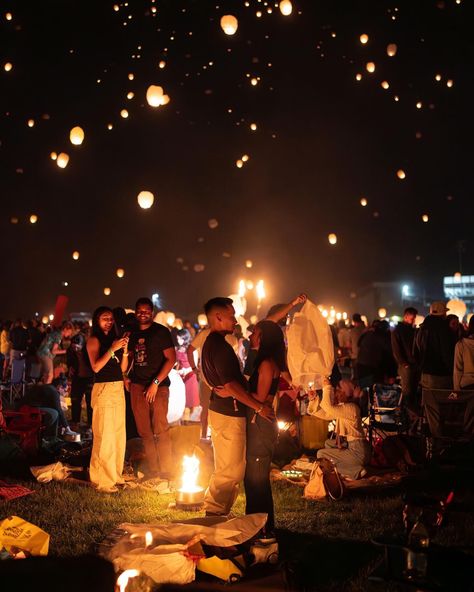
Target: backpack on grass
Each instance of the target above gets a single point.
(324, 481)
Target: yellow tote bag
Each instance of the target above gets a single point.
(16, 532)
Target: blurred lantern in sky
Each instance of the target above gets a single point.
(202, 320)
(358, 77)
(8, 66)
(120, 272)
(385, 85)
(53, 155)
(76, 135)
(31, 122)
(131, 76)
(392, 49)
(62, 160)
(425, 218)
(239, 164)
(249, 264)
(449, 83)
(364, 38)
(124, 113)
(155, 96)
(145, 199)
(75, 255)
(229, 24)
(401, 174)
(382, 312)
(363, 202)
(198, 267)
(438, 77)
(8, 16)
(245, 158)
(107, 291)
(332, 238)
(33, 218)
(286, 8)
(457, 307)
(370, 67)
(162, 64)
(253, 127)
(14, 220)
(212, 223)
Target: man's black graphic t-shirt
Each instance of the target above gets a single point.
(147, 347)
(220, 365)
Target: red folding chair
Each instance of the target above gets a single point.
(25, 424)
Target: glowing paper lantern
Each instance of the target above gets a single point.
(332, 238)
(120, 272)
(249, 285)
(401, 174)
(363, 202)
(286, 8)
(253, 127)
(170, 317)
(31, 122)
(33, 218)
(370, 67)
(249, 264)
(240, 304)
(131, 76)
(7, 67)
(124, 113)
(438, 77)
(155, 97)
(62, 160)
(392, 49)
(76, 135)
(385, 85)
(107, 291)
(457, 307)
(177, 398)
(145, 199)
(364, 38)
(162, 64)
(419, 105)
(130, 95)
(199, 267)
(202, 320)
(212, 223)
(254, 81)
(358, 77)
(449, 83)
(75, 255)
(53, 155)
(14, 220)
(245, 158)
(382, 312)
(239, 164)
(8, 16)
(425, 218)
(229, 24)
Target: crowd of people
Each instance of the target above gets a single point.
(233, 380)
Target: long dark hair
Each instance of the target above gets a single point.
(96, 330)
(272, 345)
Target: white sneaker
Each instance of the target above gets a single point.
(70, 436)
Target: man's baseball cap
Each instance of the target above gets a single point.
(438, 307)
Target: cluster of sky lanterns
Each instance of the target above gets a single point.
(240, 162)
(331, 314)
(155, 96)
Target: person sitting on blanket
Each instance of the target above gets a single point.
(340, 404)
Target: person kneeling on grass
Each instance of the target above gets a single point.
(340, 404)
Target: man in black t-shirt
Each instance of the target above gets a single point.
(227, 414)
(153, 356)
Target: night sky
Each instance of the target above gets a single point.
(323, 141)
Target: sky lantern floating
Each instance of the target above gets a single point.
(107, 291)
(253, 127)
(8, 67)
(155, 96)
(120, 272)
(229, 24)
(364, 38)
(358, 77)
(286, 7)
(249, 285)
(75, 255)
(202, 320)
(449, 83)
(45, 319)
(76, 135)
(199, 267)
(245, 158)
(8, 16)
(53, 155)
(382, 312)
(392, 49)
(370, 67)
(124, 113)
(332, 238)
(33, 218)
(239, 164)
(131, 76)
(385, 85)
(425, 218)
(14, 220)
(31, 122)
(438, 77)
(419, 105)
(249, 264)
(401, 174)
(62, 160)
(457, 307)
(212, 223)
(162, 64)
(254, 81)
(363, 202)
(130, 95)
(145, 199)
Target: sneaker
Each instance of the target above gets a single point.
(70, 436)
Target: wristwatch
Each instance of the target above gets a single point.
(156, 381)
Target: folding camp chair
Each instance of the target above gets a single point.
(25, 424)
(449, 417)
(386, 412)
(17, 379)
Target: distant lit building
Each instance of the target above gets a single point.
(393, 297)
(460, 287)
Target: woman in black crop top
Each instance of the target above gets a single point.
(267, 338)
(108, 401)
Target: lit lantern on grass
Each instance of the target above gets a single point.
(190, 495)
(229, 24)
(76, 135)
(145, 199)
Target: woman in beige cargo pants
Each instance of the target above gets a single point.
(108, 402)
